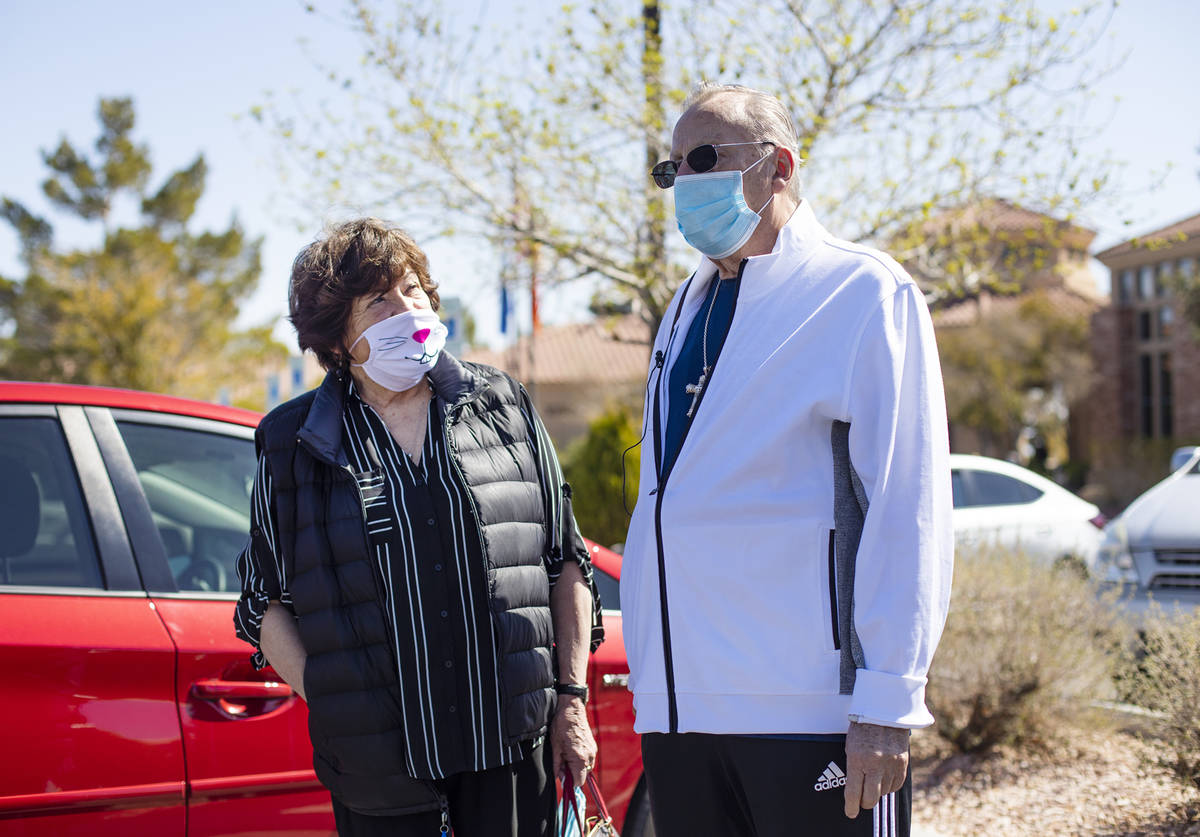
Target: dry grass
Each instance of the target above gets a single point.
(1026, 647)
(1164, 677)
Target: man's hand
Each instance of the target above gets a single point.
(571, 739)
(876, 764)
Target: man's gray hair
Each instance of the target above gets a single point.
(762, 115)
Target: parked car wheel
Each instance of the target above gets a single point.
(1073, 564)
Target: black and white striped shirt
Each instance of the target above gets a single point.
(430, 557)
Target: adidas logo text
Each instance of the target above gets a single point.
(833, 777)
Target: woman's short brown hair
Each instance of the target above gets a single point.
(363, 256)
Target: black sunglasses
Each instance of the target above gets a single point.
(700, 159)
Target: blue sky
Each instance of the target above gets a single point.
(191, 68)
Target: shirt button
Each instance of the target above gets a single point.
(445, 613)
(437, 568)
(431, 522)
(453, 708)
(449, 663)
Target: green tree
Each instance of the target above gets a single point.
(592, 466)
(989, 246)
(540, 131)
(1018, 369)
(153, 306)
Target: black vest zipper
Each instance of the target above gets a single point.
(668, 658)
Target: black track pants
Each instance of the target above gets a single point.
(517, 800)
(737, 786)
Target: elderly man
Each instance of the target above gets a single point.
(787, 569)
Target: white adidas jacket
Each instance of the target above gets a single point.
(823, 332)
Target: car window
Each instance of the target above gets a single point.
(47, 538)
(959, 487)
(198, 486)
(609, 589)
(992, 489)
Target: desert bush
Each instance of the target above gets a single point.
(1026, 648)
(1163, 676)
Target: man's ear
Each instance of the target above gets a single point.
(785, 169)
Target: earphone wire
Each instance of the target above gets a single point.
(659, 359)
(658, 365)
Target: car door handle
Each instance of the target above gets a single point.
(215, 689)
(621, 680)
(236, 699)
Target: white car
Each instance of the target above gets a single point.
(1002, 504)
(1155, 542)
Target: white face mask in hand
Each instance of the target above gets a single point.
(403, 348)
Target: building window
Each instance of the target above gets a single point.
(1165, 405)
(1147, 392)
(1186, 266)
(1145, 331)
(1166, 318)
(1146, 282)
(1125, 285)
(1162, 279)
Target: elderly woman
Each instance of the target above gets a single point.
(414, 570)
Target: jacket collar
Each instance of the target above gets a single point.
(453, 384)
(322, 428)
(801, 233)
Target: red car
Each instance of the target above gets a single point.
(128, 705)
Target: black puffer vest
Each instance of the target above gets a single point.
(350, 676)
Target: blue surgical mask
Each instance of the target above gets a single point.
(711, 211)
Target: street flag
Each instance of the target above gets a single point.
(297, 368)
(504, 308)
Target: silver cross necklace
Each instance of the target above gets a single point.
(695, 390)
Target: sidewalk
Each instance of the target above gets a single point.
(924, 831)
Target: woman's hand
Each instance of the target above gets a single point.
(571, 739)
(570, 735)
(280, 644)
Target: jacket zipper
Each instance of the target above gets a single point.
(659, 490)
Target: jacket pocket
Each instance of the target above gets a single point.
(831, 578)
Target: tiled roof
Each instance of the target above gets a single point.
(997, 214)
(602, 351)
(968, 312)
(1170, 234)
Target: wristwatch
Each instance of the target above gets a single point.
(573, 689)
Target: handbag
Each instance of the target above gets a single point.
(571, 823)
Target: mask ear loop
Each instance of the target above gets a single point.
(658, 365)
(772, 197)
(350, 357)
